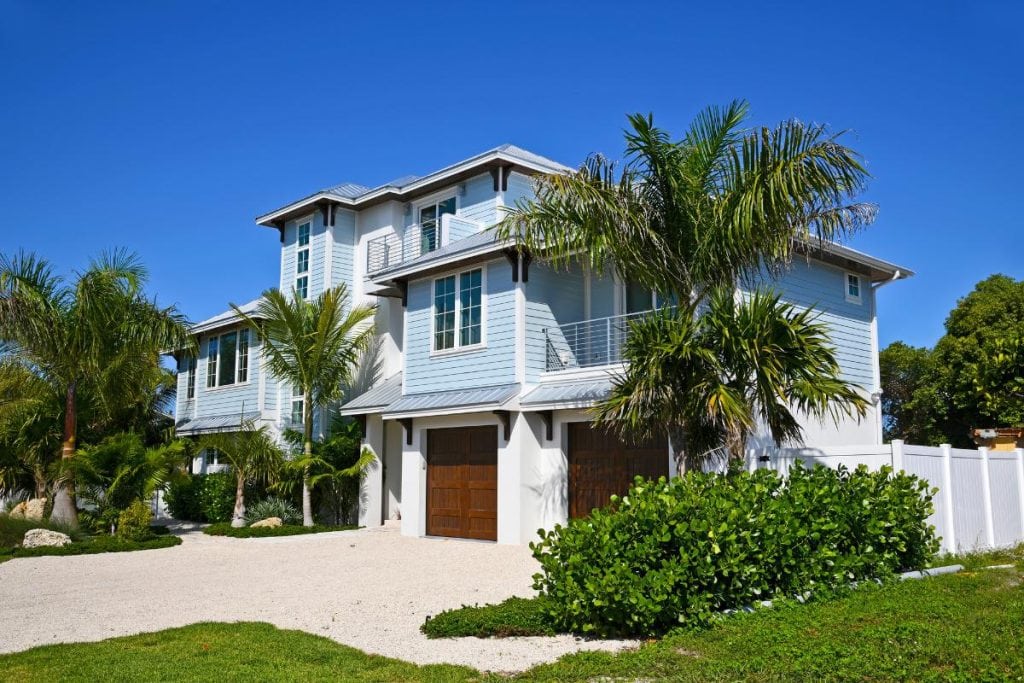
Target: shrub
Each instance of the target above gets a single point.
(183, 499)
(202, 498)
(273, 507)
(514, 617)
(674, 553)
(92, 546)
(133, 522)
(12, 530)
(225, 529)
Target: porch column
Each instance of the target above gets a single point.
(371, 488)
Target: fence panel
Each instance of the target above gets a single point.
(1006, 505)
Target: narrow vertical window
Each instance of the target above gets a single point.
(853, 287)
(211, 363)
(302, 263)
(243, 356)
(444, 313)
(304, 234)
(298, 406)
(469, 307)
(228, 348)
(190, 380)
(302, 287)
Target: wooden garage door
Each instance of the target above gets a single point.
(462, 482)
(601, 465)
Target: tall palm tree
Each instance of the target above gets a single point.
(315, 346)
(683, 217)
(253, 457)
(711, 379)
(96, 335)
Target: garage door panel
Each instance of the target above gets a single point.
(462, 482)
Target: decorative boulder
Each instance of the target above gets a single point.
(18, 511)
(42, 538)
(268, 522)
(34, 509)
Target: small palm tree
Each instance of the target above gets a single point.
(315, 346)
(711, 379)
(252, 455)
(97, 336)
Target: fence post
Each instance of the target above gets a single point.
(1020, 491)
(986, 497)
(897, 455)
(949, 538)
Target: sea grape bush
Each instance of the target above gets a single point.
(674, 553)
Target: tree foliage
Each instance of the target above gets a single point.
(252, 454)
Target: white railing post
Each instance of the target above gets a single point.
(608, 339)
(897, 455)
(1020, 491)
(986, 497)
(948, 538)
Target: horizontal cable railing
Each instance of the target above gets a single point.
(588, 343)
(389, 251)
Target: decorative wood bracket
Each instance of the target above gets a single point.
(327, 212)
(280, 229)
(500, 177)
(548, 416)
(527, 259)
(514, 254)
(403, 287)
(361, 421)
(406, 423)
(506, 421)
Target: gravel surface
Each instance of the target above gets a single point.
(370, 589)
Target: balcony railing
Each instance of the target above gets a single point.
(419, 239)
(588, 343)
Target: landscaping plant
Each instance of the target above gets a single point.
(133, 522)
(273, 507)
(674, 553)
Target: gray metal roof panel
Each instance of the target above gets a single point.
(460, 398)
(226, 318)
(572, 392)
(214, 423)
(380, 396)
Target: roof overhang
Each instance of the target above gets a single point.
(425, 185)
(445, 263)
(876, 269)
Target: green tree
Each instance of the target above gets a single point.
(315, 346)
(711, 379)
(912, 404)
(253, 457)
(96, 337)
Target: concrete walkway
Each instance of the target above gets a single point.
(370, 589)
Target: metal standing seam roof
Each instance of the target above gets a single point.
(578, 392)
(450, 400)
(228, 317)
(215, 423)
(376, 398)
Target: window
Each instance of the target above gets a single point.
(212, 457)
(304, 234)
(190, 381)
(302, 264)
(430, 219)
(853, 288)
(638, 298)
(302, 287)
(227, 359)
(298, 406)
(467, 308)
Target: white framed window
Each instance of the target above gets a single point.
(190, 380)
(303, 231)
(298, 406)
(302, 287)
(853, 288)
(458, 311)
(302, 261)
(429, 217)
(212, 457)
(227, 359)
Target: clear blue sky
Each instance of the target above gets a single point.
(166, 127)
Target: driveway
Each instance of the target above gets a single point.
(370, 589)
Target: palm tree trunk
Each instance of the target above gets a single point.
(65, 511)
(238, 517)
(307, 449)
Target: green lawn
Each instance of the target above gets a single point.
(967, 626)
(225, 529)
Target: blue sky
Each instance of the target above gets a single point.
(167, 127)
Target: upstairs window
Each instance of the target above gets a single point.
(227, 359)
(190, 380)
(466, 308)
(638, 298)
(302, 262)
(304, 234)
(302, 287)
(853, 286)
(430, 222)
(298, 406)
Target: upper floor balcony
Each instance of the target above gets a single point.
(588, 343)
(418, 239)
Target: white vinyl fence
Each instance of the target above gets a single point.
(980, 499)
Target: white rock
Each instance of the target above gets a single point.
(268, 522)
(34, 509)
(40, 538)
(18, 511)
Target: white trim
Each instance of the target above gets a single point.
(328, 247)
(859, 299)
(261, 382)
(459, 348)
(592, 372)
(441, 412)
(389, 275)
(248, 367)
(520, 331)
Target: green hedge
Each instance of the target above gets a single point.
(202, 498)
(91, 546)
(225, 529)
(514, 617)
(673, 554)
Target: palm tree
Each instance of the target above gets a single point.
(96, 336)
(252, 456)
(683, 217)
(314, 346)
(711, 379)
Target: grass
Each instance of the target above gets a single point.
(225, 529)
(12, 532)
(960, 627)
(514, 617)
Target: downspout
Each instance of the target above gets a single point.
(874, 314)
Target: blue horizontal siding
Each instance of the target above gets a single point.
(232, 398)
(480, 202)
(817, 285)
(344, 249)
(553, 298)
(520, 187)
(494, 364)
